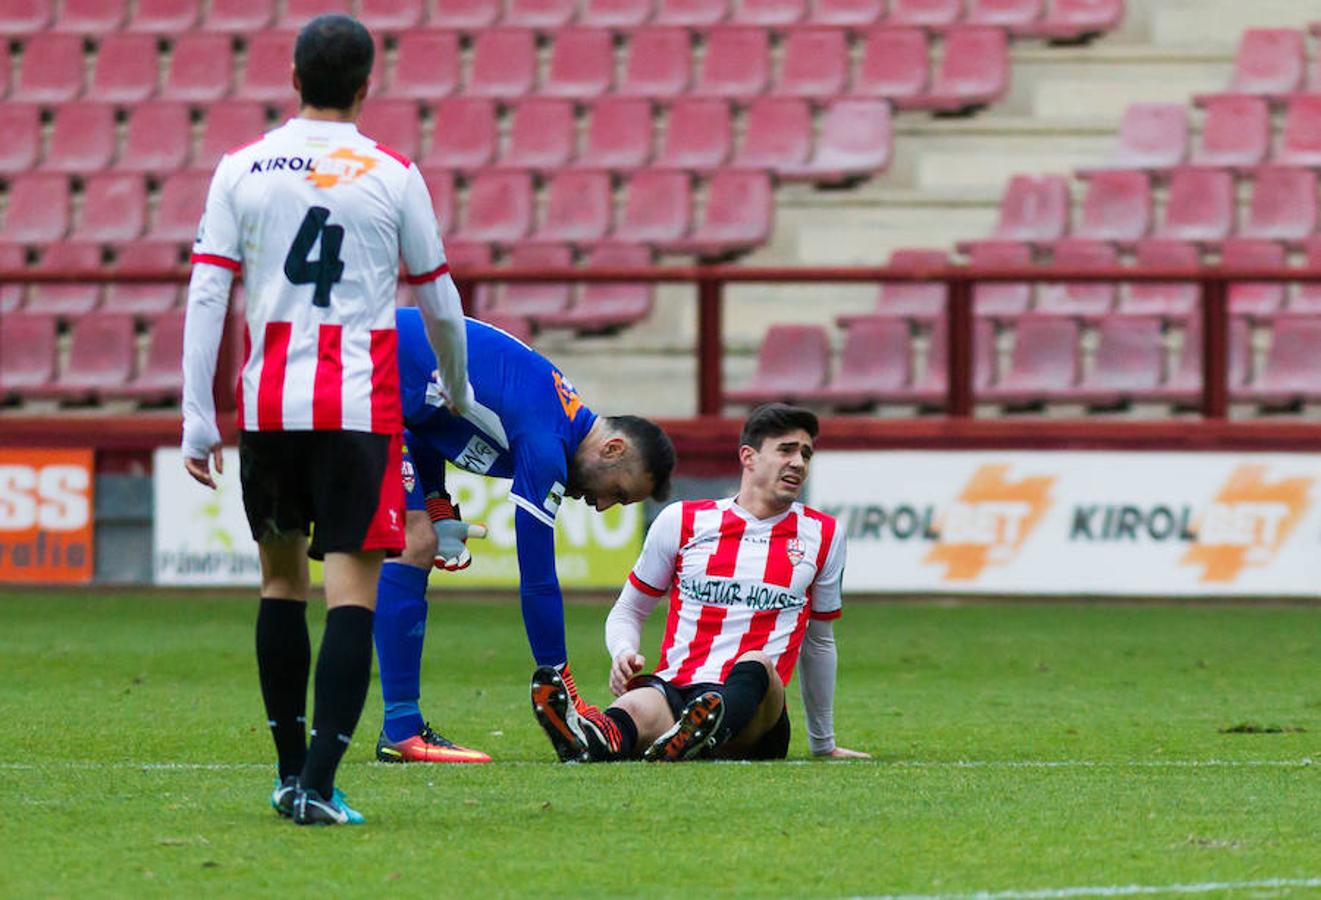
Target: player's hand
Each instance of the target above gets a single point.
(200, 468)
(844, 753)
(625, 666)
(452, 543)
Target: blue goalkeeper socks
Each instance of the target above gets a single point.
(401, 623)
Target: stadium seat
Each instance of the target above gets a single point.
(12, 256)
(1270, 61)
(466, 134)
(83, 139)
(6, 63)
(266, 74)
(698, 135)
(20, 123)
(1300, 143)
(1043, 364)
(615, 13)
(973, 72)
(618, 135)
(66, 300)
(125, 69)
(440, 183)
(163, 17)
(1184, 385)
(1168, 299)
(1152, 136)
(161, 377)
(38, 209)
(465, 15)
(777, 135)
(1235, 132)
(736, 65)
(1283, 206)
(793, 362)
(923, 301)
(1130, 359)
(740, 208)
(855, 140)
(1004, 13)
(578, 209)
(769, 13)
(144, 299)
(658, 65)
(114, 208)
(504, 63)
(294, 14)
(426, 65)
(25, 18)
(1000, 300)
(931, 385)
(582, 64)
(1076, 19)
(532, 300)
(846, 13)
(1292, 370)
(814, 64)
(1083, 299)
(541, 135)
(27, 353)
(543, 15)
(1033, 209)
(895, 64)
(658, 207)
(200, 68)
(690, 13)
(159, 134)
(926, 13)
(499, 208)
(393, 123)
(391, 15)
(91, 17)
(874, 365)
(51, 70)
(1116, 207)
(179, 209)
(607, 306)
(229, 124)
(1200, 206)
(1308, 297)
(239, 16)
(1255, 299)
(102, 349)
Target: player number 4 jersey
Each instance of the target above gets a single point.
(737, 583)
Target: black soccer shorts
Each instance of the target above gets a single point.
(774, 744)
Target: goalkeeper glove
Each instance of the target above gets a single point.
(452, 534)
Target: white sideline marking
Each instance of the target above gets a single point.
(1117, 890)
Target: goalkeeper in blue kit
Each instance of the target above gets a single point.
(527, 424)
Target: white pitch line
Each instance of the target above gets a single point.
(1117, 890)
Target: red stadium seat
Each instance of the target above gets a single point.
(769, 13)
(698, 137)
(856, 139)
(182, 199)
(874, 364)
(846, 13)
(12, 256)
(20, 123)
(1269, 61)
(658, 208)
(1200, 206)
(973, 72)
(1081, 298)
(1152, 136)
(394, 123)
(125, 69)
(932, 384)
(815, 64)
(1034, 209)
(144, 299)
(83, 139)
(93, 17)
(391, 15)
(1168, 299)
(737, 63)
(1076, 19)
(1283, 206)
(25, 17)
(740, 207)
(66, 299)
(1185, 383)
(659, 62)
(1044, 362)
(158, 138)
(615, 13)
(578, 208)
(1293, 368)
(926, 13)
(266, 75)
(440, 183)
(691, 13)
(426, 65)
(1000, 300)
(114, 208)
(605, 307)
(295, 14)
(541, 136)
(200, 68)
(1130, 358)
(618, 135)
(1256, 299)
(499, 208)
(5, 65)
(777, 135)
(27, 353)
(164, 17)
(101, 355)
(38, 209)
(1004, 13)
(582, 64)
(466, 15)
(544, 15)
(1117, 207)
(51, 71)
(535, 299)
(1308, 298)
(239, 16)
(895, 64)
(924, 301)
(794, 361)
(229, 124)
(1235, 132)
(504, 63)
(466, 134)
(1300, 144)
(161, 377)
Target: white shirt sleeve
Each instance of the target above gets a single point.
(623, 627)
(654, 571)
(817, 663)
(827, 599)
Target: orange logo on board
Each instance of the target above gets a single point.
(339, 167)
(568, 394)
(989, 521)
(1247, 523)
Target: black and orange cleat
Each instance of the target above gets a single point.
(426, 747)
(578, 731)
(693, 734)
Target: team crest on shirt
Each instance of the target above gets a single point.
(796, 550)
(410, 476)
(339, 167)
(554, 498)
(568, 395)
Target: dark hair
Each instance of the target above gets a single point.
(332, 57)
(775, 419)
(653, 446)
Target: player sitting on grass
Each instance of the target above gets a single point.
(752, 580)
(527, 424)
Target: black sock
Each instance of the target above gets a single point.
(343, 671)
(284, 658)
(742, 693)
(628, 731)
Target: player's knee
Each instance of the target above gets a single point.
(758, 657)
(419, 541)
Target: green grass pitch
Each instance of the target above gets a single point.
(1018, 749)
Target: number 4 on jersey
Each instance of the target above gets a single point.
(328, 269)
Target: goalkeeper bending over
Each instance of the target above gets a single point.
(527, 424)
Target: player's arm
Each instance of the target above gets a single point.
(216, 257)
(434, 291)
(647, 583)
(818, 660)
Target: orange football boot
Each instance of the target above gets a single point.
(427, 747)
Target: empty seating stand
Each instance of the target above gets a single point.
(1034, 209)
(1292, 371)
(1300, 144)
(1283, 205)
(1117, 207)
(161, 377)
(101, 355)
(792, 364)
(740, 208)
(1043, 365)
(1255, 299)
(874, 365)
(1200, 206)
(919, 300)
(1129, 362)
(27, 354)
(1081, 299)
(1167, 299)
(973, 72)
(1236, 132)
(1000, 300)
(604, 307)
(1152, 137)
(1270, 61)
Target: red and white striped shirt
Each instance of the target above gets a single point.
(738, 583)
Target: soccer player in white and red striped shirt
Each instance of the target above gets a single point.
(317, 215)
(754, 586)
